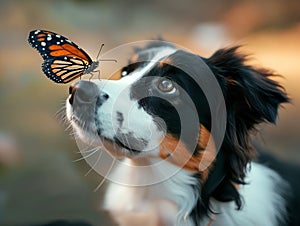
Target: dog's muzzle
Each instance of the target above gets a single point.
(84, 98)
(84, 92)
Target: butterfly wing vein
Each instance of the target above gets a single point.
(64, 61)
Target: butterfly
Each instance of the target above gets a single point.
(64, 61)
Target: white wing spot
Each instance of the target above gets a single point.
(58, 43)
(61, 40)
(58, 36)
(68, 41)
(43, 48)
(43, 43)
(37, 31)
(65, 58)
(49, 38)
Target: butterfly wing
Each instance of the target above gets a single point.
(63, 59)
(64, 69)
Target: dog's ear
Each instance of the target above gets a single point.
(251, 97)
(249, 92)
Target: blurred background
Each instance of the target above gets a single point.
(39, 180)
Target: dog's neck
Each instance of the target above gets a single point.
(172, 200)
(173, 185)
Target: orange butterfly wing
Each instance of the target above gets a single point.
(63, 59)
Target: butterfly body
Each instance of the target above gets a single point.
(64, 61)
(91, 67)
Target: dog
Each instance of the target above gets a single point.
(179, 126)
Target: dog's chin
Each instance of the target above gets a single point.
(113, 146)
(89, 134)
(118, 149)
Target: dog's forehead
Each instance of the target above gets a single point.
(121, 89)
(145, 55)
(149, 58)
(158, 57)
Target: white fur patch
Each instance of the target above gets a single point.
(262, 205)
(171, 201)
(137, 121)
(178, 189)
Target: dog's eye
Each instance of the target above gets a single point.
(124, 72)
(167, 86)
(129, 68)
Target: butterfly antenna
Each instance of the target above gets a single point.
(99, 51)
(104, 59)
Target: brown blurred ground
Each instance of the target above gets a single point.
(38, 179)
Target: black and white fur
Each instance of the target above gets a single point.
(130, 123)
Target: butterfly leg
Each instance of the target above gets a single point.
(99, 75)
(92, 75)
(98, 71)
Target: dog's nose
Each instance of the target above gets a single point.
(83, 92)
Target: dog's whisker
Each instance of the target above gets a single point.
(87, 150)
(137, 129)
(73, 136)
(68, 127)
(61, 114)
(73, 133)
(92, 168)
(100, 184)
(87, 156)
(104, 177)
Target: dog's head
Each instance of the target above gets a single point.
(158, 97)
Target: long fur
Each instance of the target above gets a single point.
(234, 190)
(251, 98)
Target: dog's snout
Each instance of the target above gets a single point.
(83, 92)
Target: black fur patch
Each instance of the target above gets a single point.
(251, 97)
